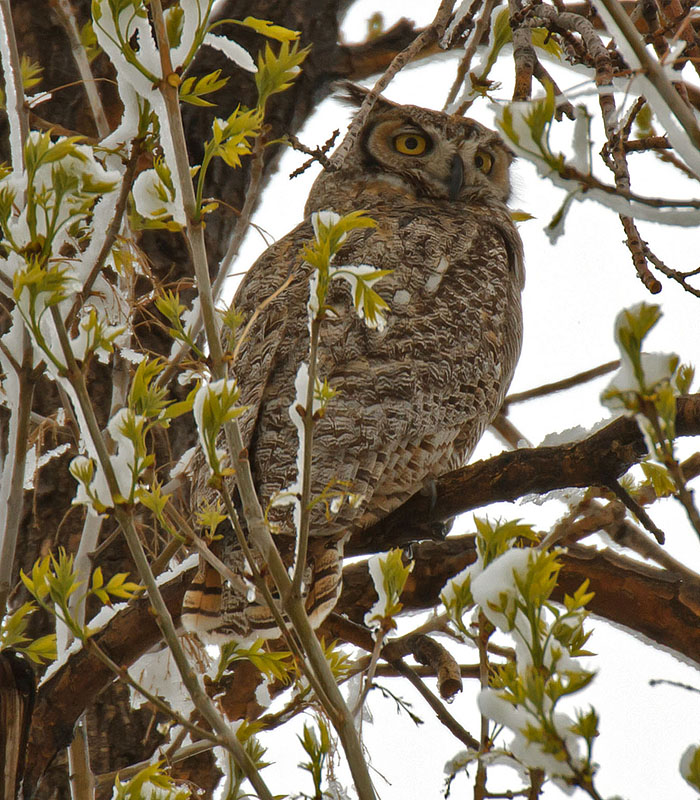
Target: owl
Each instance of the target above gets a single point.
(412, 399)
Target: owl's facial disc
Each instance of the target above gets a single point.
(457, 160)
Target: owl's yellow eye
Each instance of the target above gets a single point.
(483, 161)
(411, 144)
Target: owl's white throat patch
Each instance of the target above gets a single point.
(436, 276)
(395, 181)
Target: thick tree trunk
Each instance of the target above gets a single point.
(660, 604)
(117, 735)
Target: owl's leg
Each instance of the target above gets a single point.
(326, 564)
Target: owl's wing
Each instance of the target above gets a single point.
(267, 304)
(414, 399)
(406, 397)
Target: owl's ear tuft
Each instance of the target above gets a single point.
(349, 92)
(354, 94)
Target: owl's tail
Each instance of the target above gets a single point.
(201, 605)
(219, 611)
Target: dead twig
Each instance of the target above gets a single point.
(318, 154)
(632, 505)
(558, 386)
(478, 34)
(430, 653)
(674, 274)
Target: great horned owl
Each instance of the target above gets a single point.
(412, 399)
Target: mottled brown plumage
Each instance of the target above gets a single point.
(412, 400)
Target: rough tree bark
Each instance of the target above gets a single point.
(48, 520)
(658, 603)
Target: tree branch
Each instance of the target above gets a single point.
(660, 604)
(606, 454)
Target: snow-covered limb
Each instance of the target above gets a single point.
(526, 126)
(214, 405)
(525, 748)
(14, 93)
(389, 575)
(678, 118)
(232, 50)
(511, 587)
(16, 361)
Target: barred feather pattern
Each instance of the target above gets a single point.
(413, 399)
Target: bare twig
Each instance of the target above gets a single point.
(654, 71)
(637, 248)
(679, 277)
(591, 182)
(485, 630)
(614, 148)
(318, 154)
(558, 386)
(669, 157)
(465, 671)
(637, 510)
(251, 198)
(438, 707)
(510, 435)
(475, 39)
(306, 446)
(266, 302)
(371, 669)
(627, 534)
(647, 143)
(66, 13)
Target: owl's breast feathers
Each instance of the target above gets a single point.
(412, 400)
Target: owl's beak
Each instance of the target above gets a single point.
(456, 180)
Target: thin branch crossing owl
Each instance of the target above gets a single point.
(413, 399)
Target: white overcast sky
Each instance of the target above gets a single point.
(573, 292)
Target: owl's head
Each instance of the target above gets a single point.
(432, 154)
